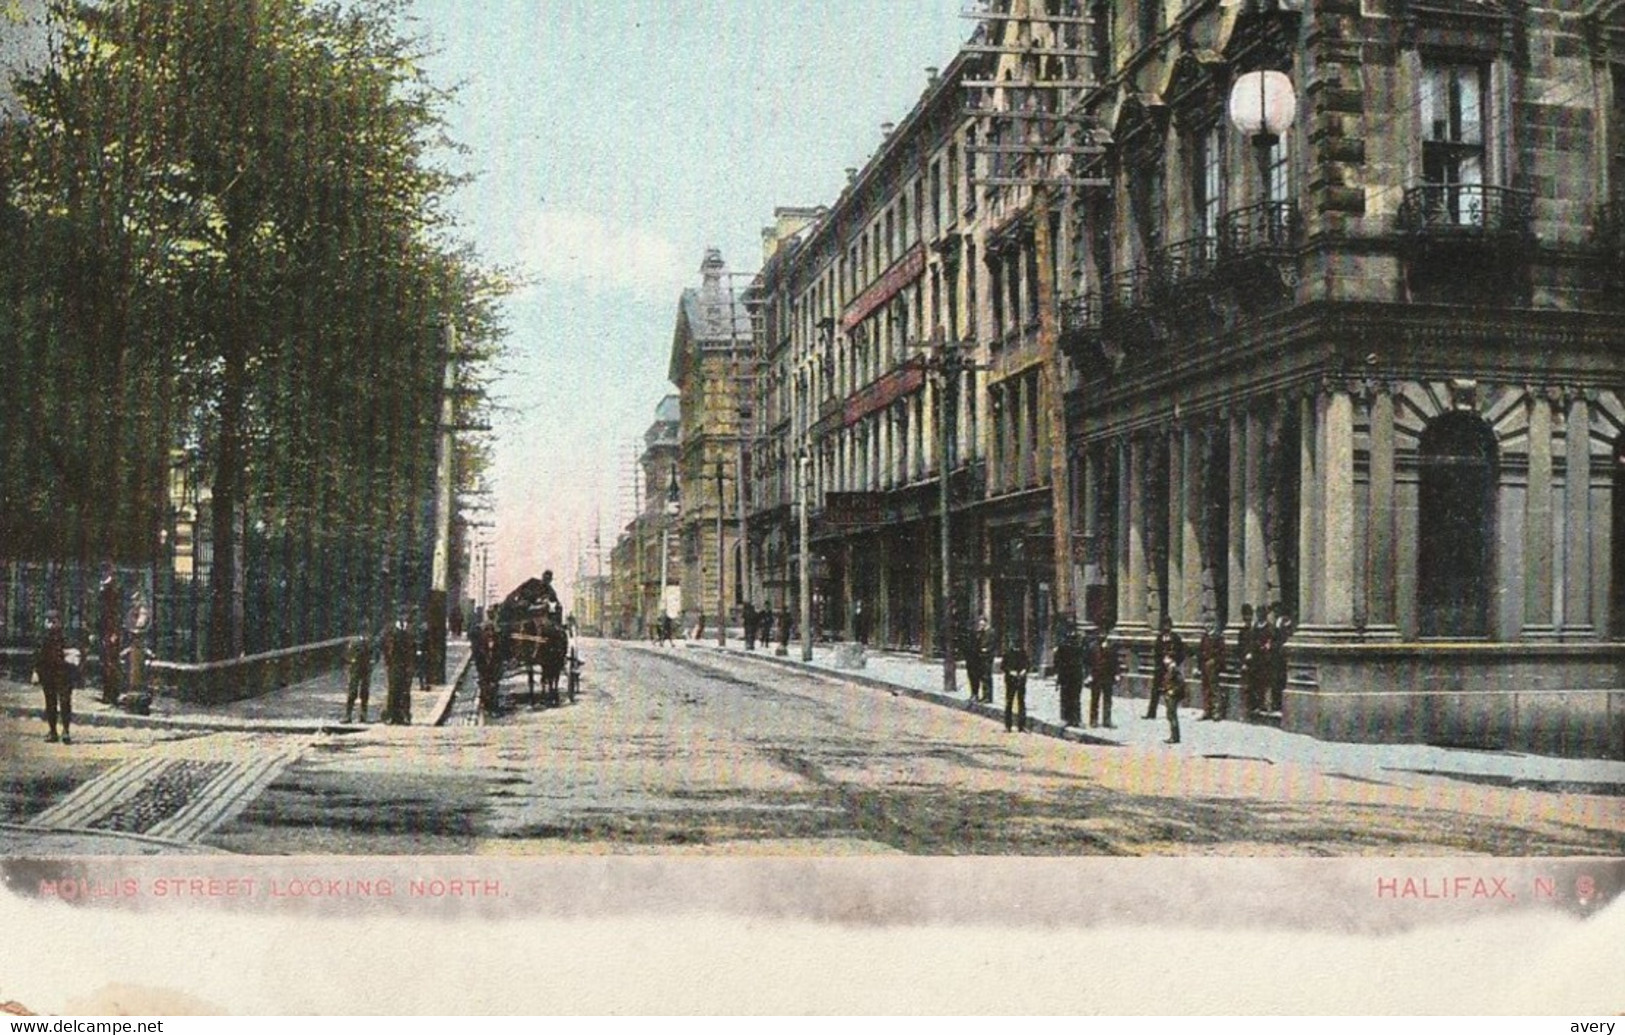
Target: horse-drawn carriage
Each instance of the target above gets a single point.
(530, 635)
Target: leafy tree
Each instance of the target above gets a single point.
(244, 245)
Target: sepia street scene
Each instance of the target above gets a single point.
(1017, 427)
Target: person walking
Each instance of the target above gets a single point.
(764, 626)
(1104, 665)
(979, 662)
(400, 665)
(784, 630)
(358, 662)
(860, 624)
(1017, 663)
(1168, 644)
(488, 665)
(55, 677)
(1069, 670)
(1173, 685)
(1210, 655)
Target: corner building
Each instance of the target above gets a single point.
(1371, 372)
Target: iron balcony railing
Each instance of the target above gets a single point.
(1466, 211)
(1185, 263)
(1265, 228)
(1128, 290)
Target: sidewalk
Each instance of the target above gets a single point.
(312, 706)
(908, 673)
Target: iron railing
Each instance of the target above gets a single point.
(1466, 211)
(1265, 228)
(1185, 263)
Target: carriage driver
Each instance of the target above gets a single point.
(550, 596)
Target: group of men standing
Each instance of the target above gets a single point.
(1094, 658)
(404, 655)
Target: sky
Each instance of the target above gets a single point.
(612, 143)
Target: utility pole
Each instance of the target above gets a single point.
(722, 581)
(803, 492)
(436, 660)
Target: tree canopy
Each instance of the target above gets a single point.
(240, 254)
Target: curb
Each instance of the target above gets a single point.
(125, 720)
(987, 711)
(442, 707)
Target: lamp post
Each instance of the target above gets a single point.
(1262, 107)
(673, 506)
(946, 360)
(722, 570)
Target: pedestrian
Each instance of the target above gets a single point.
(784, 629)
(1069, 666)
(750, 626)
(1173, 685)
(1263, 660)
(1104, 665)
(1210, 654)
(699, 628)
(488, 665)
(1247, 660)
(1281, 629)
(136, 623)
(400, 662)
(1168, 644)
(1016, 665)
(979, 662)
(55, 677)
(860, 625)
(359, 664)
(764, 618)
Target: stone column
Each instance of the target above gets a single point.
(1192, 556)
(1577, 538)
(1310, 451)
(1335, 598)
(1089, 510)
(1234, 557)
(1175, 530)
(928, 426)
(1256, 578)
(1133, 611)
(1381, 544)
(1538, 584)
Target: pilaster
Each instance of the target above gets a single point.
(1381, 545)
(1577, 506)
(1538, 588)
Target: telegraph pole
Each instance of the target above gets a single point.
(442, 510)
(803, 491)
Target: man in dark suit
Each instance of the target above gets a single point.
(400, 665)
(1017, 664)
(1210, 654)
(55, 677)
(1168, 644)
(979, 662)
(1069, 666)
(1104, 665)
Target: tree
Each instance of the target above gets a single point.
(254, 248)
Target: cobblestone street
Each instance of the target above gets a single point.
(699, 751)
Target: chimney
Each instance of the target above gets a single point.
(932, 74)
(886, 128)
(851, 175)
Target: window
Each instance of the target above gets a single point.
(997, 296)
(1456, 516)
(1100, 39)
(936, 198)
(1207, 182)
(1453, 157)
(1150, 18)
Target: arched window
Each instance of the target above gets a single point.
(1456, 525)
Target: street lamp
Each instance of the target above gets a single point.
(946, 360)
(673, 506)
(1263, 106)
(803, 491)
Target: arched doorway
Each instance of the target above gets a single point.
(1456, 525)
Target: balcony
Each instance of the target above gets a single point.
(1081, 329)
(1474, 214)
(1183, 266)
(1268, 229)
(1129, 304)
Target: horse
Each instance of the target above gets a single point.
(542, 643)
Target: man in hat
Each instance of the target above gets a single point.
(108, 642)
(1017, 663)
(979, 662)
(1069, 664)
(1247, 659)
(1169, 644)
(358, 662)
(55, 677)
(400, 663)
(1104, 665)
(1210, 653)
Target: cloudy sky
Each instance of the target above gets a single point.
(614, 141)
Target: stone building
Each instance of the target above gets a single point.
(1370, 371)
(713, 365)
(634, 581)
